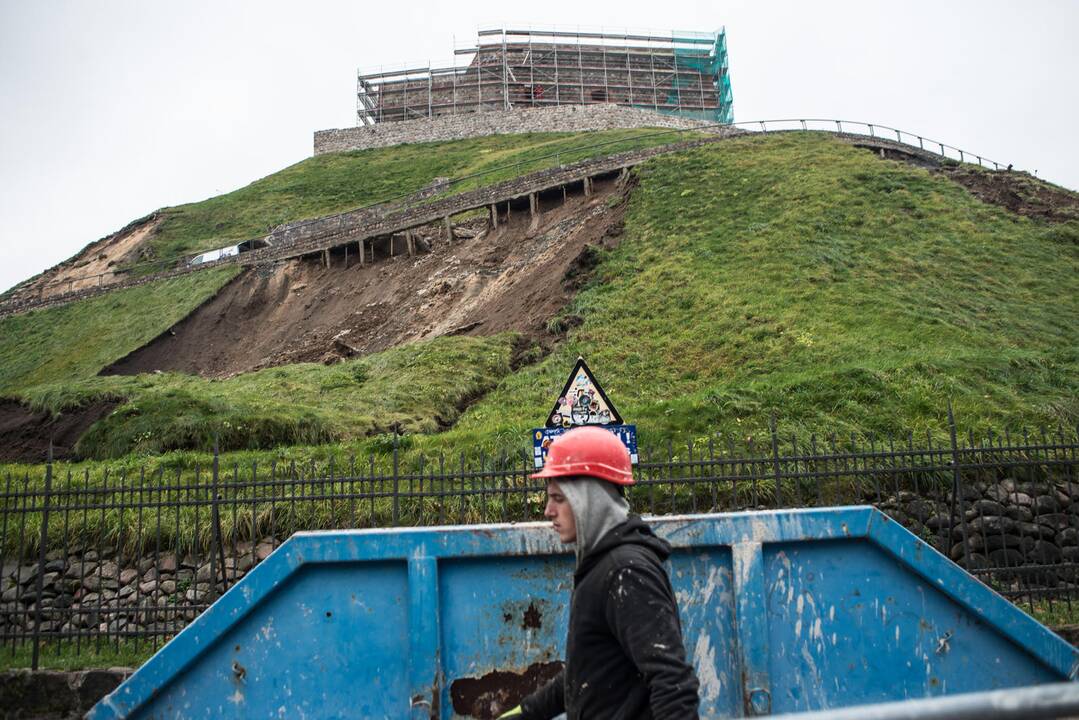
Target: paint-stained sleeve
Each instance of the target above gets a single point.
(547, 702)
(642, 613)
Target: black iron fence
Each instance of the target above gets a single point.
(130, 557)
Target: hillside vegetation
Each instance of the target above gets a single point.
(799, 276)
(791, 275)
(337, 182)
(416, 388)
(72, 342)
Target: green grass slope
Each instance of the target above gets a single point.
(800, 276)
(337, 182)
(50, 358)
(417, 388)
(74, 341)
(792, 275)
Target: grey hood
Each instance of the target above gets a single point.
(597, 507)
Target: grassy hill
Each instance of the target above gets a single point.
(72, 342)
(792, 275)
(333, 183)
(799, 276)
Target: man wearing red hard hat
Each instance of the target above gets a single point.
(624, 652)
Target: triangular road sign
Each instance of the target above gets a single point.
(582, 402)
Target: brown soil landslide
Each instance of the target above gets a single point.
(1019, 192)
(483, 280)
(25, 433)
(99, 263)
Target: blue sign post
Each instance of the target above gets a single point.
(542, 438)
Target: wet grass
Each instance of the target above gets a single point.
(415, 388)
(74, 341)
(90, 653)
(338, 182)
(793, 276)
(1052, 614)
(801, 277)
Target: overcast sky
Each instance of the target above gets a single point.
(109, 110)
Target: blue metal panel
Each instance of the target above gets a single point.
(501, 616)
(703, 581)
(826, 600)
(782, 611)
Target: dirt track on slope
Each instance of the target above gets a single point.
(515, 277)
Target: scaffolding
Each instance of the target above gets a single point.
(681, 73)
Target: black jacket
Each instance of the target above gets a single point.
(624, 654)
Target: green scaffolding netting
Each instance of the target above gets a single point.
(711, 63)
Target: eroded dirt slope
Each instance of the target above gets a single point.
(1019, 192)
(483, 281)
(25, 434)
(96, 264)
(1015, 190)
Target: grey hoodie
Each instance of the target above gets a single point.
(597, 507)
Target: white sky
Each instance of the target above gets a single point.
(112, 109)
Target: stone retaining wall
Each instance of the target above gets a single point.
(1029, 529)
(563, 118)
(92, 593)
(48, 695)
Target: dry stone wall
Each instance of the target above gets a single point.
(95, 593)
(563, 118)
(52, 695)
(1019, 532)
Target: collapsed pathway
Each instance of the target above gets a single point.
(479, 280)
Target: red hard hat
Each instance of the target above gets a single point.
(588, 450)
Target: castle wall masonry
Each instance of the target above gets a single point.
(563, 118)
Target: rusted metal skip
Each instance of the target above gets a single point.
(496, 692)
(786, 611)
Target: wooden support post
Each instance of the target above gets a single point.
(508, 210)
(391, 244)
(410, 243)
(363, 253)
(587, 186)
(326, 257)
(449, 228)
(494, 216)
(532, 204)
(563, 193)
(346, 256)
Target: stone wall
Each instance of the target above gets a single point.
(91, 593)
(47, 694)
(1027, 531)
(563, 118)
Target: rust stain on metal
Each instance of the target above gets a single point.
(436, 697)
(238, 671)
(489, 696)
(533, 618)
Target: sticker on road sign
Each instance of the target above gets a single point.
(543, 437)
(582, 402)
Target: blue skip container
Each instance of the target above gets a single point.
(783, 612)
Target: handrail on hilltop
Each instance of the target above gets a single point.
(944, 150)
